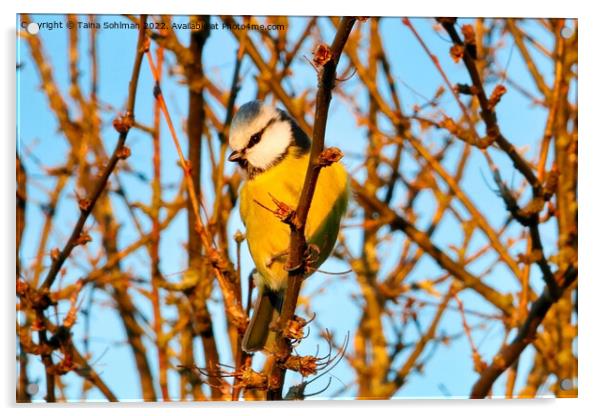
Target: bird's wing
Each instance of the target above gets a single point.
(327, 208)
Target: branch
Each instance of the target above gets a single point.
(240, 357)
(526, 335)
(529, 217)
(156, 277)
(518, 36)
(118, 154)
(221, 266)
(475, 141)
(194, 127)
(487, 110)
(86, 205)
(399, 120)
(298, 245)
(502, 302)
(21, 207)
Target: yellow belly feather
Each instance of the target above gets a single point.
(268, 237)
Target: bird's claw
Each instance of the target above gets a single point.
(309, 261)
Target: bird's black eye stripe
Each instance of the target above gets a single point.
(256, 138)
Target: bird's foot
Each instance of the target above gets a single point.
(308, 262)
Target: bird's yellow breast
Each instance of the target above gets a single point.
(268, 237)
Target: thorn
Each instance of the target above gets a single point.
(349, 77)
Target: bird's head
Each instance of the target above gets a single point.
(261, 136)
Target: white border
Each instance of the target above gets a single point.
(590, 67)
(506, 8)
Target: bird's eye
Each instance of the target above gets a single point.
(254, 140)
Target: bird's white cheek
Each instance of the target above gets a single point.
(272, 146)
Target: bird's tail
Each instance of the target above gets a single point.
(266, 310)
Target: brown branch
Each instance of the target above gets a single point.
(221, 266)
(194, 127)
(511, 380)
(49, 211)
(398, 119)
(529, 217)
(23, 395)
(72, 133)
(48, 365)
(527, 333)
(240, 356)
(21, 175)
(476, 357)
(134, 332)
(156, 277)
(74, 88)
(298, 244)
(186, 357)
(503, 302)
(474, 139)
(115, 157)
(487, 112)
(518, 36)
(62, 337)
(85, 371)
(371, 333)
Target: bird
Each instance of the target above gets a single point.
(273, 151)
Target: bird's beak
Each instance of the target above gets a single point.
(235, 156)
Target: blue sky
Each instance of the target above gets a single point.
(38, 137)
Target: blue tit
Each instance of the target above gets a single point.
(274, 152)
